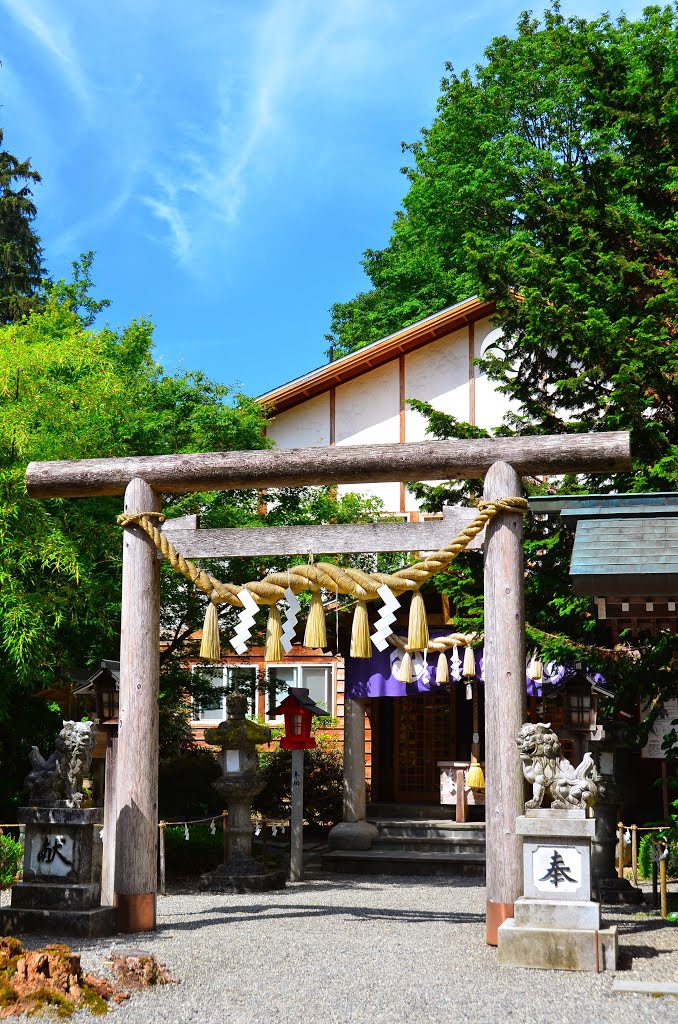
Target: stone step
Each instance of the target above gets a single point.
(403, 862)
(449, 846)
(438, 830)
(409, 812)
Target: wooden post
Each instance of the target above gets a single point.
(460, 809)
(264, 846)
(634, 853)
(620, 849)
(505, 698)
(224, 832)
(355, 801)
(137, 774)
(297, 818)
(162, 858)
(110, 822)
(662, 881)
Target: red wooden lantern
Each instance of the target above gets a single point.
(298, 710)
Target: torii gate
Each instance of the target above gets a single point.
(501, 461)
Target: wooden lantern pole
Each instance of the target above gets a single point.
(297, 818)
(505, 698)
(137, 767)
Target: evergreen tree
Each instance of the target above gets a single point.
(547, 182)
(21, 267)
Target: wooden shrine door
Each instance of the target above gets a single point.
(425, 733)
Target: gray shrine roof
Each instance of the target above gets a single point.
(624, 543)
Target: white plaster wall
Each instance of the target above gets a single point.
(437, 373)
(367, 411)
(305, 426)
(491, 405)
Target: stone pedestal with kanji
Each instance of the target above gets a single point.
(61, 888)
(556, 924)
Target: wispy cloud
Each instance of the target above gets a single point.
(52, 35)
(291, 52)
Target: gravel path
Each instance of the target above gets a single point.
(377, 949)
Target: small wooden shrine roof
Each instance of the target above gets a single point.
(625, 544)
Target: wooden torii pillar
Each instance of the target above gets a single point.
(502, 461)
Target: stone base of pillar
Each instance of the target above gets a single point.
(556, 925)
(352, 835)
(561, 949)
(239, 877)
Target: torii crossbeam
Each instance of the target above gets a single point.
(501, 461)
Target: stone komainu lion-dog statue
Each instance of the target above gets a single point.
(552, 775)
(58, 779)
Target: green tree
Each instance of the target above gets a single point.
(21, 267)
(69, 392)
(547, 182)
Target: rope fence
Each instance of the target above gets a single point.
(259, 825)
(627, 835)
(259, 822)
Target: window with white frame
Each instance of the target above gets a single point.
(318, 680)
(224, 679)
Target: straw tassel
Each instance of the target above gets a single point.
(405, 673)
(210, 647)
(274, 648)
(361, 646)
(417, 637)
(474, 776)
(316, 634)
(469, 669)
(442, 669)
(535, 669)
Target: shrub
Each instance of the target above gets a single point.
(185, 787)
(11, 853)
(201, 852)
(645, 858)
(323, 783)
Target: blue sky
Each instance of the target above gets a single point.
(230, 160)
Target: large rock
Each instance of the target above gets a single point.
(352, 835)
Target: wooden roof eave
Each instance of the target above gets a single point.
(377, 354)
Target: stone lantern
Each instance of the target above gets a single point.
(240, 781)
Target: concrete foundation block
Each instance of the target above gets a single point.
(578, 914)
(563, 824)
(557, 948)
(352, 835)
(49, 896)
(87, 924)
